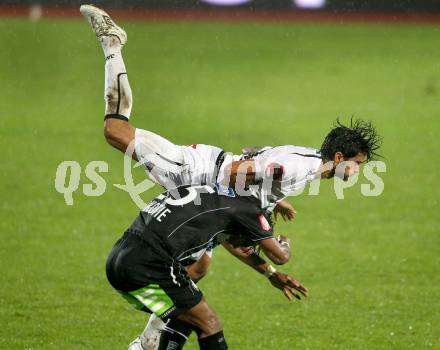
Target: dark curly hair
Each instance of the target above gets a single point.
(360, 137)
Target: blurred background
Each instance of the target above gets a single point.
(284, 7)
(334, 5)
(234, 74)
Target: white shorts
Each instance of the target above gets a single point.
(173, 165)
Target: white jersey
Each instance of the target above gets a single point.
(173, 165)
(294, 168)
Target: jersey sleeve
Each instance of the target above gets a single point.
(253, 222)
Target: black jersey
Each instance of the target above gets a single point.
(189, 219)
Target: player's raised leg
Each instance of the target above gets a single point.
(118, 97)
(148, 147)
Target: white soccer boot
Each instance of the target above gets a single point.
(102, 24)
(136, 344)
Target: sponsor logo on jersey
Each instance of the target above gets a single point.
(275, 171)
(263, 222)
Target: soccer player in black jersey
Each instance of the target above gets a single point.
(146, 264)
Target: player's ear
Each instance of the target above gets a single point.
(338, 157)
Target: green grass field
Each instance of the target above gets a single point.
(371, 264)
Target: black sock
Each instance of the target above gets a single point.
(213, 342)
(180, 327)
(174, 335)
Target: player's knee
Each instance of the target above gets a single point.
(211, 324)
(116, 130)
(112, 129)
(214, 323)
(205, 323)
(109, 130)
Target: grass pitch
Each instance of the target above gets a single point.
(372, 264)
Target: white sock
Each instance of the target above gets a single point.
(110, 44)
(117, 93)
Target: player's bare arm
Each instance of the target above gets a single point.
(199, 269)
(287, 284)
(277, 251)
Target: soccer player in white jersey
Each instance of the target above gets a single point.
(275, 172)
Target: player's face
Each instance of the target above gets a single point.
(346, 167)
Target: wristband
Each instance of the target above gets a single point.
(270, 270)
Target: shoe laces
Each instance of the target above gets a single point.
(101, 26)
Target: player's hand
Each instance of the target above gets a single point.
(288, 285)
(285, 209)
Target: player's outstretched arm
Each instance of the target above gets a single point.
(287, 284)
(199, 269)
(278, 251)
(248, 256)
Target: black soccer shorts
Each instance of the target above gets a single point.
(149, 279)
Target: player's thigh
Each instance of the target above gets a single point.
(165, 296)
(148, 145)
(148, 279)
